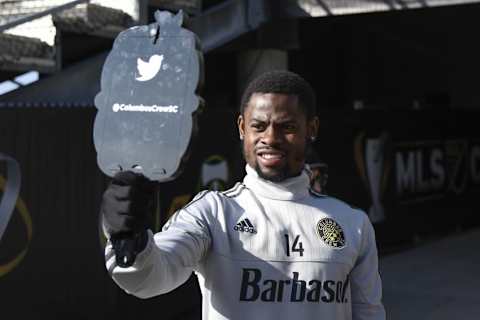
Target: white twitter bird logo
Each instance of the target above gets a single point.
(148, 70)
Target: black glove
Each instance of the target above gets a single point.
(126, 207)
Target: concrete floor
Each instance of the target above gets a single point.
(436, 281)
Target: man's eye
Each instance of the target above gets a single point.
(290, 127)
(258, 126)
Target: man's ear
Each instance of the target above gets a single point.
(241, 126)
(312, 128)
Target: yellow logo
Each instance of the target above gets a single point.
(21, 208)
(331, 233)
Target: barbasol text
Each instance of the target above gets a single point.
(254, 288)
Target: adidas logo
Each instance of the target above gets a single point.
(245, 226)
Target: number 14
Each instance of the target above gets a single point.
(296, 247)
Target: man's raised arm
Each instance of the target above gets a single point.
(165, 260)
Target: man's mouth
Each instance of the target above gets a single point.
(271, 158)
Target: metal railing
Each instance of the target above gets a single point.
(41, 14)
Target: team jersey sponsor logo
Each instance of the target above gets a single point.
(245, 226)
(331, 233)
(255, 288)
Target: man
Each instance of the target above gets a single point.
(268, 248)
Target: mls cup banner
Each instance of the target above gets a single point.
(411, 172)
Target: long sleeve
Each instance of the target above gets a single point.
(171, 255)
(365, 280)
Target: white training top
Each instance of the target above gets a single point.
(264, 250)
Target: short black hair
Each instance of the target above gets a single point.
(282, 81)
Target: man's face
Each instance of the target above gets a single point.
(275, 132)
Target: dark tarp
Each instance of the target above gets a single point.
(75, 86)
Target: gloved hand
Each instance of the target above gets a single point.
(126, 206)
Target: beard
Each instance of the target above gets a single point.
(278, 176)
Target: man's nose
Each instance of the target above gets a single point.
(271, 136)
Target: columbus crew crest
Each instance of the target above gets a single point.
(331, 233)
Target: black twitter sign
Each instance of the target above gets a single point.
(148, 99)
